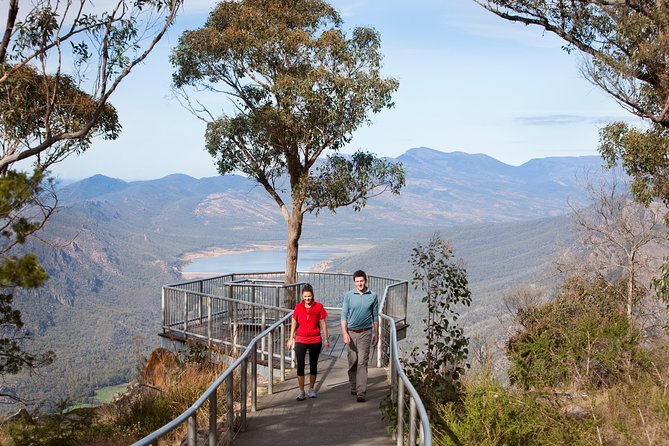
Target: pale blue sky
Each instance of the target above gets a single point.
(469, 81)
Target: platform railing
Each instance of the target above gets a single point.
(413, 423)
(226, 381)
(233, 299)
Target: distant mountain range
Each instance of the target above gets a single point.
(114, 243)
(442, 189)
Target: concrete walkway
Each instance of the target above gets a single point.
(333, 418)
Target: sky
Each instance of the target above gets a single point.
(469, 81)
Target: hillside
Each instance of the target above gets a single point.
(498, 258)
(114, 243)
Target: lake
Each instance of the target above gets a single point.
(260, 261)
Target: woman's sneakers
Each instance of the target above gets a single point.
(300, 395)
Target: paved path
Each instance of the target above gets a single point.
(333, 418)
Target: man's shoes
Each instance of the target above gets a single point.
(300, 396)
(353, 392)
(360, 399)
(311, 393)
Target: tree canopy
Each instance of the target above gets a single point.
(298, 87)
(628, 47)
(60, 63)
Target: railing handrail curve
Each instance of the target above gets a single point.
(185, 415)
(399, 382)
(395, 358)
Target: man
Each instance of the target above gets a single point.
(360, 328)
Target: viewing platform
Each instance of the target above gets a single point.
(246, 318)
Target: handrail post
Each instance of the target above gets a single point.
(185, 311)
(200, 305)
(379, 343)
(192, 430)
(213, 428)
(282, 352)
(412, 421)
(231, 330)
(163, 316)
(400, 413)
(210, 317)
(254, 377)
(235, 318)
(270, 363)
(263, 341)
(231, 408)
(243, 388)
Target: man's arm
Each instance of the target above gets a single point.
(344, 316)
(344, 332)
(375, 320)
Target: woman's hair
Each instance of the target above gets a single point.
(308, 287)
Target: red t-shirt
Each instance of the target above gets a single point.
(308, 330)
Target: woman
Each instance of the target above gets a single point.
(307, 318)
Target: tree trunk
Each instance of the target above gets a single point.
(292, 250)
(630, 293)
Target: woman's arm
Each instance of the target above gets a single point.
(324, 330)
(291, 338)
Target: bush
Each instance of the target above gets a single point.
(582, 339)
(436, 367)
(490, 414)
(128, 419)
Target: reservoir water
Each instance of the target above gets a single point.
(259, 261)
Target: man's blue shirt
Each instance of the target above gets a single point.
(360, 311)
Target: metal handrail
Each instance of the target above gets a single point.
(190, 414)
(400, 383)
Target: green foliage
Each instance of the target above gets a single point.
(21, 196)
(490, 414)
(56, 430)
(341, 181)
(46, 114)
(27, 96)
(435, 369)
(628, 43)
(661, 286)
(582, 339)
(49, 109)
(636, 411)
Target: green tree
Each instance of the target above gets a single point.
(620, 238)
(628, 47)
(581, 339)
(298, 87)
(435, 368)
(60, 63)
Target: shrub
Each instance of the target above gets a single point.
(435, 368)
(490, 414)
(583, 339)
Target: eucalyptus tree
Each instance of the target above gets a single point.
(627, 44)
(60, 63)
(298, 87)
(622, 240)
